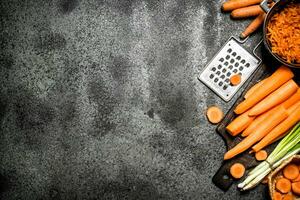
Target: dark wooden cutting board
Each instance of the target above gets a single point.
(222, 178)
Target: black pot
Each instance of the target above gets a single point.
(277, 7)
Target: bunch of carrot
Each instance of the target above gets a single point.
(243, 9)
(270, 109)
(287, 182)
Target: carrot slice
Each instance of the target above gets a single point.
(214, 114)
(235, 79)
(288, 197)
(231, 5)
(237, 170)
(291, 171)
(275, 98)
(283, 185)
(278, 78)
(297, 179)
(239, 124)
(249, 11)
(254, 88)
(282, 128)
(271, 121)
(277, 196)
(296, 188)
(261, 155)
(288, 103)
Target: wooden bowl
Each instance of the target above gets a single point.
(277, 173)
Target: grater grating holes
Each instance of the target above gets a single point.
(243, 61)
(218, 73)
(222, 76)
(238, 58)
(226, 63)
(220, 83)
(211, 76)
(236, 64)
(241, 68)
(221, 59)
(213, 69)
(233, 54)
(219, 66)
(228, 74)
(247, 65)
(227, 57)
(232, 61)
(229, 50)
(230, 67)
(235, 71)
(223, 70)
(216, 80)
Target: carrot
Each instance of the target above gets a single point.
(291, 171)
(237, 170)
(288, 103)
(235, 79)
(277, 196)
(283, 185)
(297, 179)
(250, 11)
(261, 155)
(231, 5)
(275, 98)
(254, 88)
(288, 197)
(271, 121)
(214, 114)
(296, 188)
(279, 130)
(278, 78)
(292, 100)
(253, 26)
(239, 124)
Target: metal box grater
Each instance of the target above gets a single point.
(231, 59)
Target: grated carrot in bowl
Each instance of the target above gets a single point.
(283, 33)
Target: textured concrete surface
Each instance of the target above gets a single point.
(99, 99)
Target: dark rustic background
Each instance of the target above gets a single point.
(99, 99)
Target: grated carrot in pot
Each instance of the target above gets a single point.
(283, 32)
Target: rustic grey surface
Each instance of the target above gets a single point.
(100, 99)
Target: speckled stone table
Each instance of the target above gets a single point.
(99, 99)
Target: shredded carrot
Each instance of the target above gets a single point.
(284, 33)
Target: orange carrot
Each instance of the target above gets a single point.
(283, 185)
(297, 179)
(296, 188)
(291, 171)
(249, 11)
(232, 5)
(275, 98)
(239, 124)
(288, 103)
(235, 79)
(288, 197)
(292, 100)
(214, 114)
(254, 88)
(253, 26)
(261, 155)
(270, 122)
(278, 78)
(237, 170)
(282, 128)
(277, 196)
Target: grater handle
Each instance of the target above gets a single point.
(255, 48)
(264, 5)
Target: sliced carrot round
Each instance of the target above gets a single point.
(283, 185)
(261, 155)
(214, 114)
(277, 196)
(296, 188)
(288, 197)
(235, 79)
(291, 171)
(237, 170)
